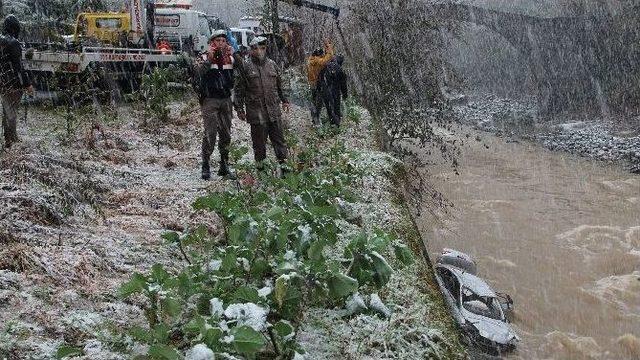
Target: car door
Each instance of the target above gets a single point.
(451, 292)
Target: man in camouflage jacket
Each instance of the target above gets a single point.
(259, 96)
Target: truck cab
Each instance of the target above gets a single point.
(107, 28)
(183, 28)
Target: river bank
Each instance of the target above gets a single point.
(609, 139)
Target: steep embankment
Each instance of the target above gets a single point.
(84, 207)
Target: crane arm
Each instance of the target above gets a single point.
(311, 5)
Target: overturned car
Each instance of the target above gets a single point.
(478, 310)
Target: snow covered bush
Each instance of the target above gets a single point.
(280, 254)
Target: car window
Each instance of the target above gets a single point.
(108, 23)
(203, 26)
(480, 305)
(451, 282)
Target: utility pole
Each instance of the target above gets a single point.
(275, 18)
(275, 29)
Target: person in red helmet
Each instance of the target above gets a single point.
(213, 81)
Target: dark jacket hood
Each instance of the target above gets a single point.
(11, 26)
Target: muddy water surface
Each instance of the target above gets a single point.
(560, 234)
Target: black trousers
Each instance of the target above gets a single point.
(332, 99)
(274, 132)
(217, 115)
(10, 103)
(316, 105)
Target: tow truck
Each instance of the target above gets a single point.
(94, 46)
(98, 44)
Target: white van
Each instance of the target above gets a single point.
(181, 26)
(243, 36)
(253, 23)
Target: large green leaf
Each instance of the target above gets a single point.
(136, 284)
(185, 285)
(159, 274)
(341, 285)
(163, 352)
(239, 230)
(356, 245)
(211, 202)
(362, 269)
(246, 294)
(195, 326)
(160, 333)
(275, 212)
(170, 306)
(140, 334)
(171, 237)
(315, 250)
(283, 328)
(403, 254)
(247, 341)
(229, 260)
(287, 295)
(68, 351)
(321, 211)
(382, 269)
(379, 241)
(212, 338)
(259, 268)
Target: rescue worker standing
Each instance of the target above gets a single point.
(258, 96)
(332, 84)
(316, 62)
(13, 79)
(213, 82)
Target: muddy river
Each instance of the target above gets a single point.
(560, 234)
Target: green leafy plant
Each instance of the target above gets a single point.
(353, 111)
(244, 293)
(155, 91)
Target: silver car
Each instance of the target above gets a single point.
(478, 310)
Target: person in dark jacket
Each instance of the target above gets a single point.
(213, 82)
(316, 62)
(332, 84)
(259, 95)
(13, 79)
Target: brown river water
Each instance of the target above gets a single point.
(558, 233)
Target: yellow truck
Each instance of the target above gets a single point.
(115, 28)
(109, 28)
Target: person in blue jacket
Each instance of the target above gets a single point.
(232, 40)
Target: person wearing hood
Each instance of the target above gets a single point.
(316, 62)
(213, 82)
(13, 79)
(332, 84)
(259, 96)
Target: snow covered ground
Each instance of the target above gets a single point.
(79, 213)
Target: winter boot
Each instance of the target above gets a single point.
(206, 170)
(224, 170)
